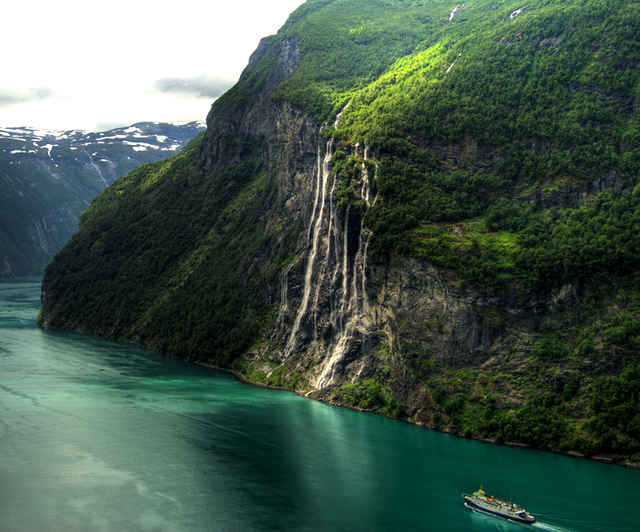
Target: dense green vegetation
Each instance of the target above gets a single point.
(590, 412)
(505, 149)
(43, 191)
(160, 276)
(532, 80)
(560, 74)
(491, 139)
(551, 93)
(368, 395)
(586, 414)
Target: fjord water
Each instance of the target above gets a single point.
(101, 436)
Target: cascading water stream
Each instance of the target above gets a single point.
(352, 312)
(284, 295)
(366, 195)
(42, 240)
(95, 167)
(313, 237)
(334, 279)
(335, 246)
(345, 264)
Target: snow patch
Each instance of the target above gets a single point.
(48, 133)
(13, 131)
(115, 137)
(197, 123)
(141, 145)
(48, 147)
(515, 13)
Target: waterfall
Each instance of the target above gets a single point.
(331, 319)
(345, 264)
(96, 168)
(284, 295)
(313, 239)
(366, 195)
(42, 240)
(354, 304)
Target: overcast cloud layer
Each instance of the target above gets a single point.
(197, 87)
(10, 97)
(93, 65)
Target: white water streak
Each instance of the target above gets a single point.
(96, 168)
(42, 241)
(455, 10)
(351, 312)
(345, 264)
(344, 284)
(284, 295)
(316, 224)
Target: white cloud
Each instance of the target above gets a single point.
(78, 64)
(13, 96)
(196, 87)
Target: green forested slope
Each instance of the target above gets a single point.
(47, 178)
(506, 151)
(144, 268)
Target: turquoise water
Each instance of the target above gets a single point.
(101, 436)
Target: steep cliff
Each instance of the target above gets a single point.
(428, 210)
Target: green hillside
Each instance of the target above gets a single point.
(47, 178)
(498, 141)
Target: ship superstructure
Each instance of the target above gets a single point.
(479, 500)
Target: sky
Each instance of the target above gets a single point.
(70, 64)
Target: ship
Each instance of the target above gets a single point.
(482, 502)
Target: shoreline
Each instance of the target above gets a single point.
(242, 378)
(572, 454)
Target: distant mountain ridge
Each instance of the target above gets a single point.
(48, 177)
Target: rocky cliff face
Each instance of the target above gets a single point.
(254, 250)
(323, 310)
(341, 317)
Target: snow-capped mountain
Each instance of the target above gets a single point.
(48, 177)
(105, 155)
